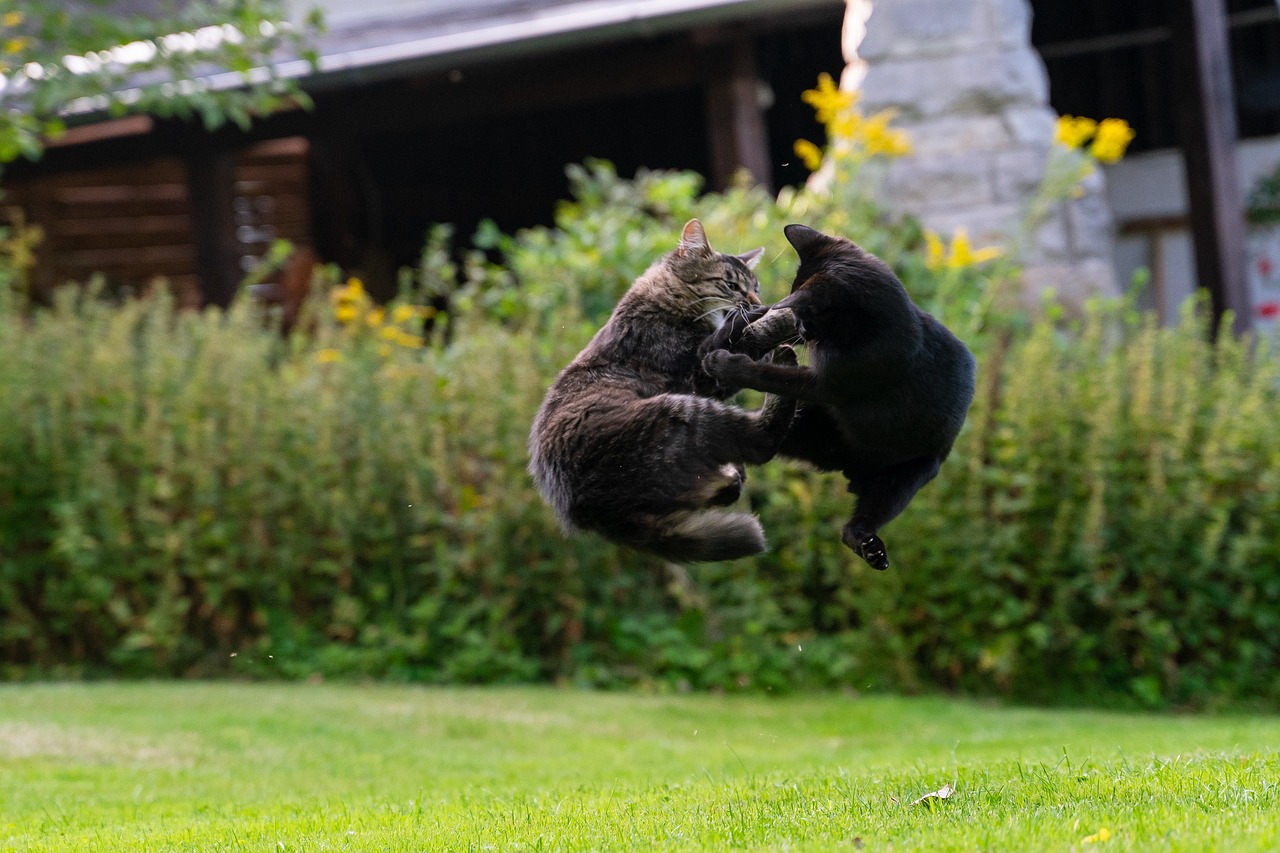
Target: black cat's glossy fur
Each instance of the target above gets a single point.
(629, 442)
(887, 389)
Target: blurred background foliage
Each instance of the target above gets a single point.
(74, 62)
(198, 494)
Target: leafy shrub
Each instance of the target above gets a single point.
(1106, 526)
(613, 228)
(125, 60)
(193, 494)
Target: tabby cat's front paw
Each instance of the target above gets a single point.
(867, 546)
(724, 365)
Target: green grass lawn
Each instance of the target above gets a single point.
(134, 767)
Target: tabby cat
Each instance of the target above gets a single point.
(887, 389)
(629, 441)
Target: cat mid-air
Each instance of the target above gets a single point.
(630, 441)
(886, 390)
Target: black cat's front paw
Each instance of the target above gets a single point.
(724, 365)
(867, 546)
(784, 355)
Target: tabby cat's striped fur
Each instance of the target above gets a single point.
(629, 441)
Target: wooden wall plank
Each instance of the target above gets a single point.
(133, 222)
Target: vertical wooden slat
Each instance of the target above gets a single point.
(211, 185)
(40, 211)
(735, 124)
(1207, 127)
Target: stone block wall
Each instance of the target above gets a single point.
(973, 94)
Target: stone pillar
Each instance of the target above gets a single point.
(973, 95)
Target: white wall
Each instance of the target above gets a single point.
(1148, 197)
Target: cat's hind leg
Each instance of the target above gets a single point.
(881, 496)
(720, 487)
(728, 434)
(868, 546)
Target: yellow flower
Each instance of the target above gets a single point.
(961, 255)
(328, 356)
(1114, 136)
(351, 294)
(17, 45)
(851, 134)
(352, 291)
(935, 251)
(878, 138)
(1103, 834)
(375, 317)
(401, 337)
(405, 339)
(899, 144)
(808, 152)
(406, 313)
(1074, 132)
(961, 252)
(827, 100)
(845, 126)
(987, 253)
(350, 302)
(11, 19)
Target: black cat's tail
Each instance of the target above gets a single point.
(700, 537)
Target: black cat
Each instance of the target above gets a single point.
(629, 443)
(887, 389)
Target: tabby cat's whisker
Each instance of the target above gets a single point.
(714, 310)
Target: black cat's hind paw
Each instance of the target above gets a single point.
(867, 546)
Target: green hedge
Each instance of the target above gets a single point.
(194, 495)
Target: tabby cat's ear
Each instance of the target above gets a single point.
(693, 240)
(803, 238)
(751, 258)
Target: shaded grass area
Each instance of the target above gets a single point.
(320, 767)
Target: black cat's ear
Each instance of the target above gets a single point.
(803, 238)
(693, 240)
(752, 258)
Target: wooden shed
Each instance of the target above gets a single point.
(449, 111)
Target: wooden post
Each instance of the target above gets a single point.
(1207, 126)
(41, 210)
(211, 187)
(735, 124)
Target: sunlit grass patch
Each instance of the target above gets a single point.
(306, 767)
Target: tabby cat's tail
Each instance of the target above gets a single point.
(703, 537)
